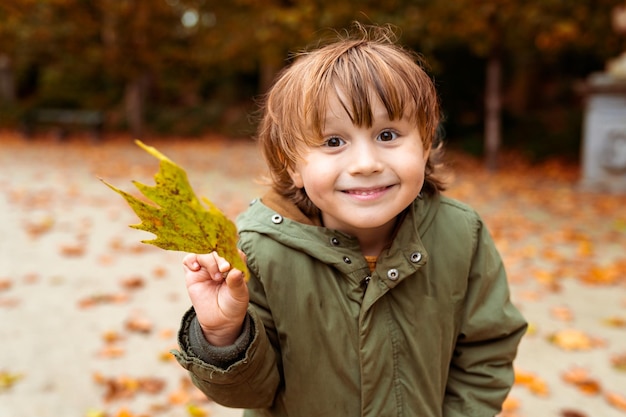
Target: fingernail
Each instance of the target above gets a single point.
(196, 265)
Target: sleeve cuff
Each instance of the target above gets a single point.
(219, 356)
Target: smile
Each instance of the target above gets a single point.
(366, 192)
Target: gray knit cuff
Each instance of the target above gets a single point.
(220, 356)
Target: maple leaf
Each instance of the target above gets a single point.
(178, 218)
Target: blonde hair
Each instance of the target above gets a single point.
(364, 61)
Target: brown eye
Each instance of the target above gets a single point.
(333, 142)
(387, 135)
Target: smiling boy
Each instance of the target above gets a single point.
(370, 292)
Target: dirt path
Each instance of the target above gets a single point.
(88, 315)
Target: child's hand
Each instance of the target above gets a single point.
(219, 296)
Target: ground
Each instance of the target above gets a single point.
(88, 313)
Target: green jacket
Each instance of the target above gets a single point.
(432, 332)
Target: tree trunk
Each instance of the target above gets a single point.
(493, 107)
(134, 100)
(7, 84)
(271, 64)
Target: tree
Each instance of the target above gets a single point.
(506, 29)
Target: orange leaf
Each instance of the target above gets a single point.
(111, 351)
(580, 378)
(619, 362)
(124, 413)
(535, 384)
(133, 282)
(616, 400)
(572, 339)
(562, 313)
(77, 249)
(5, 284)
(510, 404)
(615, 321)
(139, 325)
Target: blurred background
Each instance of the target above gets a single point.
(88, 314)
(509, 72)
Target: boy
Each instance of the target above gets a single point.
(370, 293)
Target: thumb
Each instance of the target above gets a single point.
(236, 283)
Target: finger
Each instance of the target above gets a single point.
(190, 261)
(222, 264)
(236, 281)
(215, 265)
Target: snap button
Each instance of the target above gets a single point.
(277, 219)
(334, 241)
(347, 260)
(416, 257)
(393, 274)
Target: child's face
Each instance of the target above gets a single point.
(361, 178)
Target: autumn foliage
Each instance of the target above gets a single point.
(117, 302)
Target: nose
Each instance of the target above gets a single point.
(364, 158)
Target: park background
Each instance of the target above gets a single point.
(88, 315)
(509, 72)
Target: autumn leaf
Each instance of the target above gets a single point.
(572, 339)
(535, 384)
(616, 400)
(581, 379)
(615, 321)
(179, 220)
(196, 411)
(7, 380)
(139, 325)
(619, 362)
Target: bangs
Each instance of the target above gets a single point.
(363, 73)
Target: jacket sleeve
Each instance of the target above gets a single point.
(481, 371)
(241, 376)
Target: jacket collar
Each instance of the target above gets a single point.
(283, 206)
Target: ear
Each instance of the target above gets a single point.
(296, 177)
(427, 153)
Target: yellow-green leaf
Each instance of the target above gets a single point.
(178, 218)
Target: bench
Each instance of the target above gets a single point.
(63, 120)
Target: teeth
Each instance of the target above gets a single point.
(365, 192)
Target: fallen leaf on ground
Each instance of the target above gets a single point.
(8, 379)
(138, 325)
(159, 272)
(133, 283)
(97, 299)
(534, 383)
(111, 352)
(572, 339)
(510, 405)
(5, 284)
(615, 321)
(196, 411)
(72, 249)
(579, 377)
(562, 313)
(616, 400)
(37, 227)
(124, 387)
(619, 361)
(572, 413)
